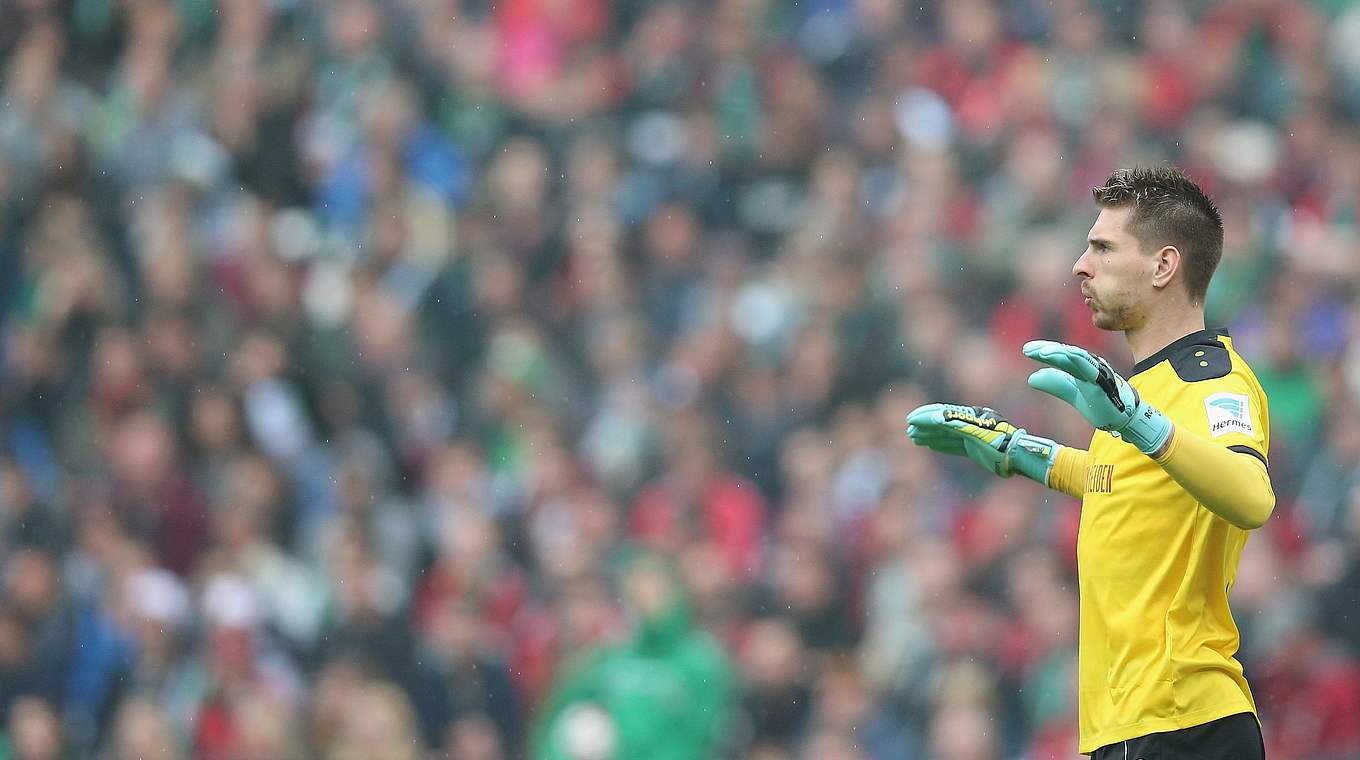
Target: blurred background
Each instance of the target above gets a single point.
(482, 380)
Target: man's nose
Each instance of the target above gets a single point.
(1081, 268)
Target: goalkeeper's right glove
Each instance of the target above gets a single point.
(983, 436)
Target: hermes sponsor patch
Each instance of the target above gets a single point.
(1229, 413)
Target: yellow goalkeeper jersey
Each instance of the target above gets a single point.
(1157, 640)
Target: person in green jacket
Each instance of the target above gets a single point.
(662, 695)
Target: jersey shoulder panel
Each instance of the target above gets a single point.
(1194, 358)
(1201, 361)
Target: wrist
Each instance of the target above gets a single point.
(1031, 456)
(1160, 454)
(1149, 430)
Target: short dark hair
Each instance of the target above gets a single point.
(1169, 209)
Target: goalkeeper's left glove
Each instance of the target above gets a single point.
(1105, 399)
(983, 436)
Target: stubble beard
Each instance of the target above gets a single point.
(1115, 318)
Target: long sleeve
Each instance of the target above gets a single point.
(1234, 486)
(1069, 472)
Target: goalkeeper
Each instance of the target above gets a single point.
(1174, 477)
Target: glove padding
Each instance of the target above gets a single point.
(1105, 399)
(984, 436)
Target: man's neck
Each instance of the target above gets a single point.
(1157, 334)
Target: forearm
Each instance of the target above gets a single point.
(1069, 472)
(1232, 485)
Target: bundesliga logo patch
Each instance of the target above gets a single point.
(1229, 413)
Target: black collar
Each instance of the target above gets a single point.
(1207, 337)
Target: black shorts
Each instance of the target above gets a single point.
(1236, 737)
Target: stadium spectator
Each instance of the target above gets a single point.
(662, 694)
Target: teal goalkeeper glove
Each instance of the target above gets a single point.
(1105, 399)
(983, 436)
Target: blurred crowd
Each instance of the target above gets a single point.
(401, 379)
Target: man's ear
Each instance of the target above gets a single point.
(1166, 263)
